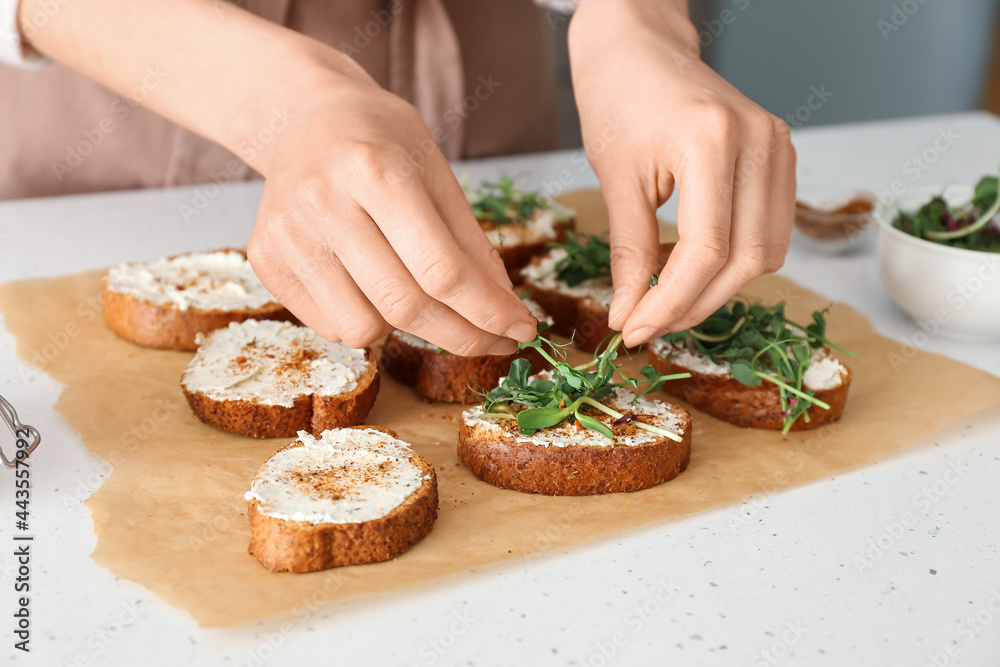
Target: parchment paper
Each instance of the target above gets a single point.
(171, 516)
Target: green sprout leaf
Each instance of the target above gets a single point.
(546, 402)
(584, 260)
(594, 424)
(503, 204)
(533, 419)
(760, 344)
(970, 226)
(744, 373)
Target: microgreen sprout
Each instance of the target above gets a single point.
(761, 344)
(502, 204)
(587, 257)
(570, 390)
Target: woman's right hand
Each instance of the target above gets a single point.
(363, 228)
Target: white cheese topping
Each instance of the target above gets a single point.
(824, 371)
(344, 476)
(541, 227)
(221, 280)
(564, 434)
(542, 272)
(271, 363)
(416, 341)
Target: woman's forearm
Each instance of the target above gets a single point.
(206, 65)
(663, 16)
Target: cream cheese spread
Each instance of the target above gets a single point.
(542, 273)
(565, 434)
(271, 363)
(221, 280)
(541, 227)
(824, 371)
(344, 476)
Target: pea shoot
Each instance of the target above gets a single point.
(761, 344)
(583, 261)
(546, 402)
(503, 204)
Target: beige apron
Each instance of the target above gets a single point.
(481, 73)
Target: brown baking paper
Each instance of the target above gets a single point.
(172, 517)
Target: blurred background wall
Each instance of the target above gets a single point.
(873, 59)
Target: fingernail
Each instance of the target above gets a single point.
(503, 347)
(643, 335)
(618, 302)
(522, 331)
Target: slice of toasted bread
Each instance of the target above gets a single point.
(579, 311)
(712, 389)
(350, 496)
(442, 376)
(564, 460)
(520, 242)
(167, 302)
(267, 379)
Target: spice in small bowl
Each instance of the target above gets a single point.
(837, 229)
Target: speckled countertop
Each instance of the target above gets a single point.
(896, 564)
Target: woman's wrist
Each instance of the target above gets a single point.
(629, 19)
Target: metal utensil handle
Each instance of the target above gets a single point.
(24, 432)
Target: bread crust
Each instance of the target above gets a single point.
(166, 327)
(575, 470)
(312, 413)
(580, 318)
(281, 545)
(725, 398)
(448, 377)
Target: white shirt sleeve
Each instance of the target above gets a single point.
(14, 49)
(560, 6)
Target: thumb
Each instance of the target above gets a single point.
(635, 243)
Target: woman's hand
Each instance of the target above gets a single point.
(655, 116)
(363, 228)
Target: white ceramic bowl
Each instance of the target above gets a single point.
(950, 292)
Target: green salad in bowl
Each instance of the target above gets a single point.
(971, 226)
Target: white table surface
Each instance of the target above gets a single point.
(773, 580)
